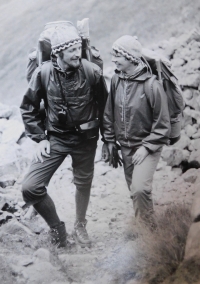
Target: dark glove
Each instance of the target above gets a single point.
(115, 158)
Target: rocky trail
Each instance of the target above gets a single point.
(25, 253)
(25, 245)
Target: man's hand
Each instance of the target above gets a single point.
(107, 151)
(140, 155)
(42, 149)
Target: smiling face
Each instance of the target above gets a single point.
(70, 58)
(122, 64)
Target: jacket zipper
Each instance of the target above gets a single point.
(124, 108)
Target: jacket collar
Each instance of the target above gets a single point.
(143, 72)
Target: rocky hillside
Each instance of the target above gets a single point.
(23, 240)
(22, 21)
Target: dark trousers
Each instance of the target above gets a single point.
(39, 174)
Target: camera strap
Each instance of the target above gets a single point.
(62, 94)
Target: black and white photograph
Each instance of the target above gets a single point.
(99, 142)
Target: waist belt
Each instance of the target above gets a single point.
(88, 125)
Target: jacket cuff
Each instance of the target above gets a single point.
(37, 138)
(151, 147)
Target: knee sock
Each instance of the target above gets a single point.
(82, 199)
(46, 208)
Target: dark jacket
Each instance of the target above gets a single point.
(132, 118)
(82, 101)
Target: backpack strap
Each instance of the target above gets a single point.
(89, 71)
(46, 68)
(148, 87)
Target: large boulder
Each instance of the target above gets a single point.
(12, 132)
(173, 156)
(9, 163)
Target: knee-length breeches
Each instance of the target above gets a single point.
(39, 174)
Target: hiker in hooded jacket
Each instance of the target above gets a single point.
(140, 124)
(71, 100)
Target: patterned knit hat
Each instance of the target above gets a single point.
(64, 37)
(129, 47)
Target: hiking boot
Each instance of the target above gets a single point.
(58, 235)
(81, 235)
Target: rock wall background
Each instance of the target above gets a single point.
(22, 21)
(176, 36)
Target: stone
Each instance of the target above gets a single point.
(197, 180)
(184, 141)
(196, 144)
(7, 180)
(191, 80)
(190, 130)
(42, 254)
(13, 131)
(186, 155)
(173, 156)
(196, 135)
(5, 111)
(190, 175)
(16, 114)
(41, 272)
(5, 217)
(9, 163)
(193, 114)
(13, 227)
(3, 122)
(177, 62)
(187, 119)
(161, 165)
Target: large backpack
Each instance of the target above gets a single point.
(43, 51)
(166, 77)
(42, 54)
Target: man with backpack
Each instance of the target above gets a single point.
(137, 120)
(75, 94)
